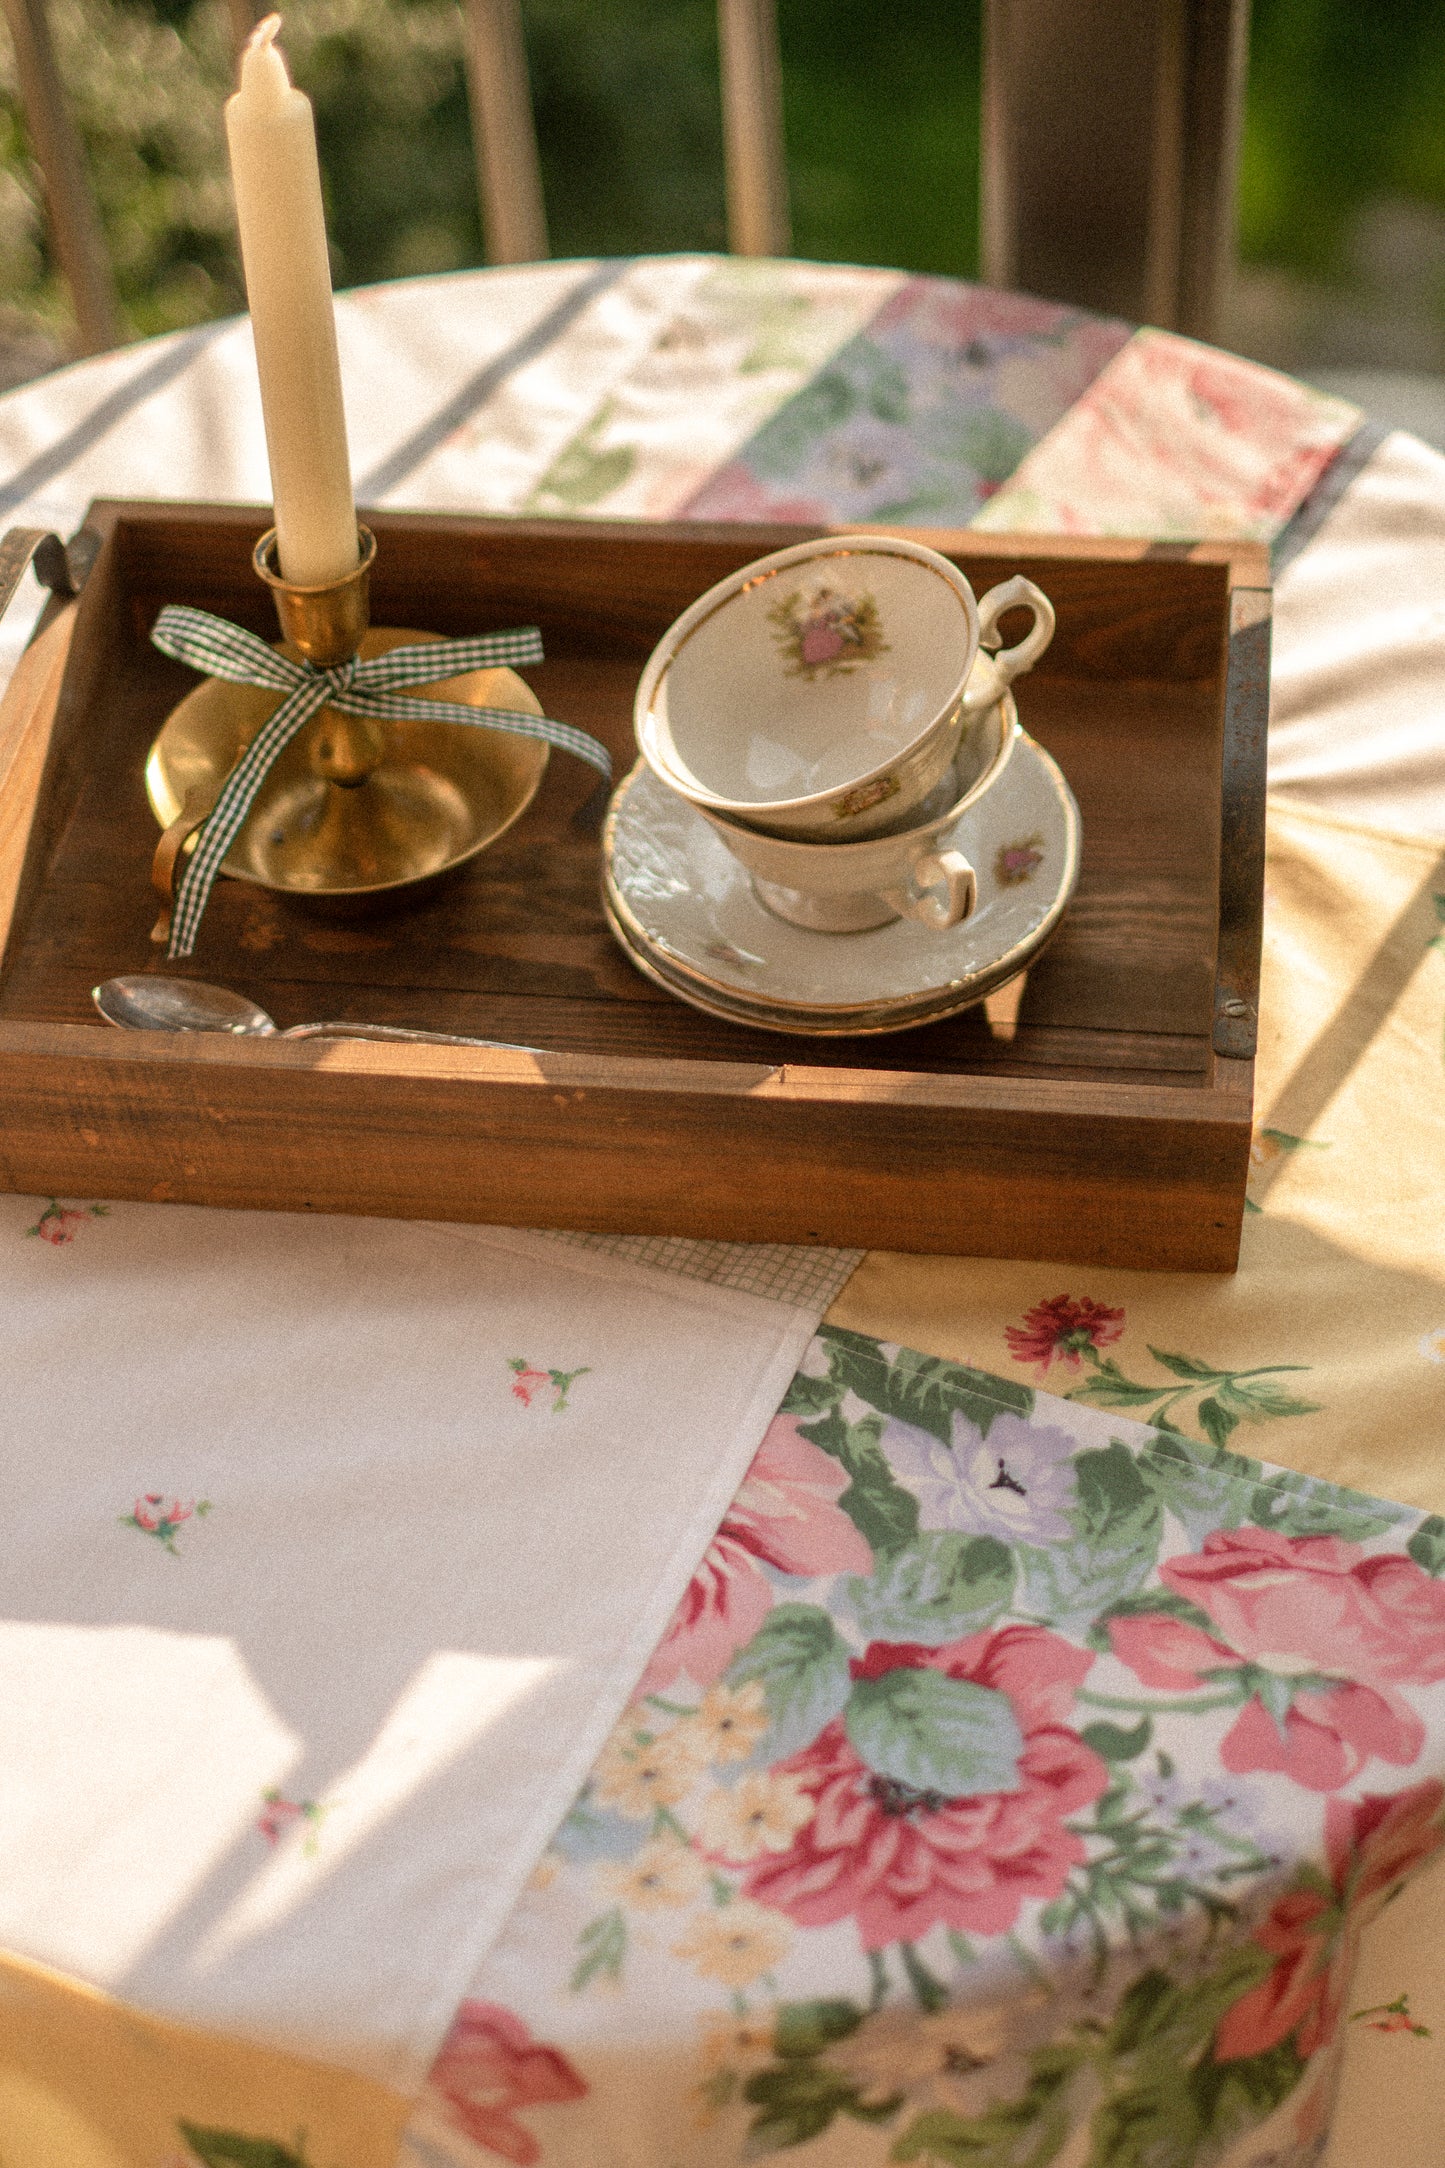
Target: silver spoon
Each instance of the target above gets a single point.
(149, 1003)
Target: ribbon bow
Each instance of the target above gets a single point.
(373, 688)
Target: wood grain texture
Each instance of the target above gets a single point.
(27, 716)
(1093, 1123)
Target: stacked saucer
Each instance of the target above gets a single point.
(837, 827)
(685, 911)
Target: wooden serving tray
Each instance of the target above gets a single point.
(1103, 1117)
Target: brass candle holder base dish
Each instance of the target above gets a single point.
(353, 808)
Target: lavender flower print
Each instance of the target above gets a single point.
(1016, 1483)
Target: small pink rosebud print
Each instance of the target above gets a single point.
(59, 1223)
(1391, 2017)
(278, 1814)
(156, 1515)
(527, 1382)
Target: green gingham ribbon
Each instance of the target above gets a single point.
(373, 688)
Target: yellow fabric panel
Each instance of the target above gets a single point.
(1342, 1270)
(87, 2082)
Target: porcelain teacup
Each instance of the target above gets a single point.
(912, 872)
(825, 691)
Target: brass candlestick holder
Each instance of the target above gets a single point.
(352, 808)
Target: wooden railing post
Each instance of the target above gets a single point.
(509, 177)
(1109, 148)
(752, 96)
(74, 221)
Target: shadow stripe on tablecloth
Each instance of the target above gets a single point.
(389, 472)
(173, 362)
(1314, 509)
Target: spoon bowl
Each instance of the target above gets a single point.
(159, 1004)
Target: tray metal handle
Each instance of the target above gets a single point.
(1241, 839)
(60, 566)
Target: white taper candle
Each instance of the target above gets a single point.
(277, 181)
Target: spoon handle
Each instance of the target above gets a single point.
(402, 1032)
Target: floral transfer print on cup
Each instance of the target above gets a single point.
(527, 1382)
(60, 1223)
(826, 632)
(864, 796)
(996, 1791)
(162, 1517)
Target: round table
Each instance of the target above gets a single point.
(767, 1924)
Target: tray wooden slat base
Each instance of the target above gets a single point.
(1090, 1119)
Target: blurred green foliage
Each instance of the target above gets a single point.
(881, 115)
(1347, 101)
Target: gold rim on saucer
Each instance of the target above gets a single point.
(657, 964)
(440, 793)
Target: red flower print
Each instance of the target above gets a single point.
(785, 1515)
(1312, 1930)
(489, 2066)
(156, 1515)
(900, 1861)
(1313, 1635)
(1060, 1331)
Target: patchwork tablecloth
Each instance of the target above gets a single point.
(1060, 1695)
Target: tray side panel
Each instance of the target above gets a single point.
(1136, 1178)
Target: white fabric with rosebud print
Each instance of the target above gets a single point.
(332, 1551)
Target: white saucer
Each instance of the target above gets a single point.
(684, 911)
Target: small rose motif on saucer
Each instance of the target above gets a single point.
(825, 631)
(1017, 862)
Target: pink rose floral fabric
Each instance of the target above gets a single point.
(1012, 1786)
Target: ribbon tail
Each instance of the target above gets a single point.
(224, 821)
(402, 708)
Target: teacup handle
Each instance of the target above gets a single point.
(941, 892)
(1017, 593)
